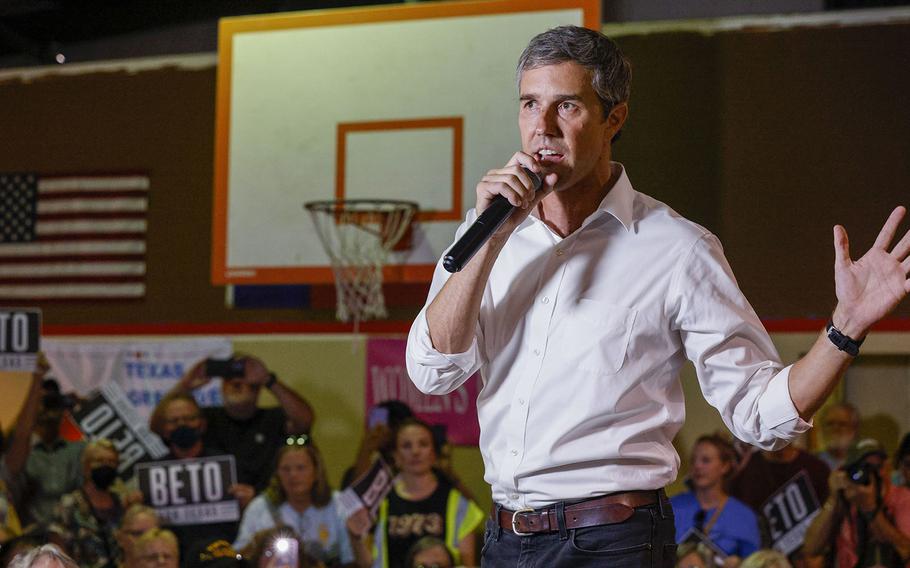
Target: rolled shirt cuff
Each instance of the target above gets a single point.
(776, 408)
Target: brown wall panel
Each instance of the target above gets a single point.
(768, 138)
(816, 132)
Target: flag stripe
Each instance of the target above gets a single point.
(74, 279)
(113, 236)
(34, 249)
(74, 216)
(73, 268)
(93, 195)
(72, 291)
(73, 205)
(72, 258)
(75, 227)
(93, 183)
(76, 237)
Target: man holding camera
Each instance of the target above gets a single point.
(40, 466)
(866, 518)
(240, 427)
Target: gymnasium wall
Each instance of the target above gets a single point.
(768, 136)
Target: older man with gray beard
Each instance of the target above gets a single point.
(251, 434)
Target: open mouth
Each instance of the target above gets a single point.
(547, 155)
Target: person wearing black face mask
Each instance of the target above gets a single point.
(85, 520)
(179, 422)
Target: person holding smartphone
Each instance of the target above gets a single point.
(240, 427)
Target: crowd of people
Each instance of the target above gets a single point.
(67, 502)
(847, 505)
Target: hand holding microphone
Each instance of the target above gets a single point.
(518, 189)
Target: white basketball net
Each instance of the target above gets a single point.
(358, 235)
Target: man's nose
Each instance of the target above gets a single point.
(546, 123)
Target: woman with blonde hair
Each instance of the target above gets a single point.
(157, 548)
(136, 521)
(299, 497)
(766, 559)
(85, 520)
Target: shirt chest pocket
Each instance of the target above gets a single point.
(595, 336)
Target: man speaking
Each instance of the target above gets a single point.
(581, 308)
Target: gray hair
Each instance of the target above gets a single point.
(854, 412)
(611, 72)
(48, 551)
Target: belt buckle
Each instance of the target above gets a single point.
(515, 523)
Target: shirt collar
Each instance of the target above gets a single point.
(619, 202)
(620, 199)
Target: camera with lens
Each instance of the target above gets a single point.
(860, 472)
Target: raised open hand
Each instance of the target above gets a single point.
(194, 378)
(868, 289)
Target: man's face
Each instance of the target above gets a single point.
(839, 429)
(562, 124)
(48, 423)
(180, 413)
(239, 397)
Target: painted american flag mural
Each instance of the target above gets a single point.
(72, 237)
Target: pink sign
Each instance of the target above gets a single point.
(387, 379)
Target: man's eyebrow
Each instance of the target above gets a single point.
(566, 97)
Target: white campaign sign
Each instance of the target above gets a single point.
(145, 370)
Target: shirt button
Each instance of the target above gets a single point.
(537, 352)
(513, 496)
(545, 300)
(521, 401)
(514, 452)
(559, 252)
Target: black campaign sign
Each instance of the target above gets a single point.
(790, 512)
(368, 491)
(191, 492)
(20, 333)
(110, 415)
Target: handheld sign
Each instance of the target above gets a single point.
(368, 491)
(790, 512)
(698, 537)
(110, 415)
(192, 491)
(20, 333)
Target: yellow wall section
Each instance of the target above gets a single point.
(328, 370)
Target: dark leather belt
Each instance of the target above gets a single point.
(605, 510)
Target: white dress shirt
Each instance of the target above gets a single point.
(579, 344)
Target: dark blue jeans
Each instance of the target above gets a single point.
(646, 539)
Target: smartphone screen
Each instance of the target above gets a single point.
(283, 553)
(378, 415)
(224, 368)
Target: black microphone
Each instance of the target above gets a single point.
(483, 228)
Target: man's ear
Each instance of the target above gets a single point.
(616, 119)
